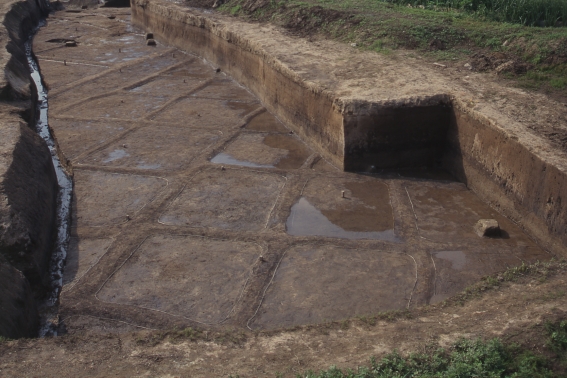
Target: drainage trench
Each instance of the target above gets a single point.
(49, 309)
(194, 205)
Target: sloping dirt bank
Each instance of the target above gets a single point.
(515, 312)
(28, 185)
(365, 112)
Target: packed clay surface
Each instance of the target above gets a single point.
(195, 206)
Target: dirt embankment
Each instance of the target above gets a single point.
(28, 185)
(349, 104)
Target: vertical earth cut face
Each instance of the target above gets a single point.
(366, 135)
(28, 185)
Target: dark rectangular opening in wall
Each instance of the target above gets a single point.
(396, 137)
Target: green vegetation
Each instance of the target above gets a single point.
(539, 271)
(525, 12)
(454, 31)
(557, 337)
(466, 358)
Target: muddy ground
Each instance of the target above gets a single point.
(195, 207)
(516, 312)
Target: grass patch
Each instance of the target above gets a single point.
(557, 337)
(466, 358)
(524, 12)
(447, 30)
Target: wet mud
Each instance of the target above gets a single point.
(194, 206)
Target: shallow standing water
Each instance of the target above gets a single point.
(64, 196)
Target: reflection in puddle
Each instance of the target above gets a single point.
(266, 122)
(456, 258)
(243, 107)
(305, 219)
(223, 158)
(264, 151)
(115, 155)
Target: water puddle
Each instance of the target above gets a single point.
(306, 220)
(456, 258)
(342, 208)
(115, 155)
(243, 107)
(63, 199)
(264, 151)
(266, 122)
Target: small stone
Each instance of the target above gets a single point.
(70, 44)
(468, 66)
(487, 228)
(151, 42)
(149, 35)
(353, 45)
(505, 67)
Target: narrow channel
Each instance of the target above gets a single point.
(49, 311)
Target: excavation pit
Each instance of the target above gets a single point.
(78, 136)
(177, 187)
(226, 199)
(103, 198)
(305, 288)
(155, 148)
(185, 276)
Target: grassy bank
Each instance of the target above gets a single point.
(468, 358)
(437, 33)
(525, 12)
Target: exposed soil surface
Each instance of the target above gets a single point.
(102, 347)
(258, 236)
(194, 207)
(491, 76)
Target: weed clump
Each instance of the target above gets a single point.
(466, 358)
(525, 12)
